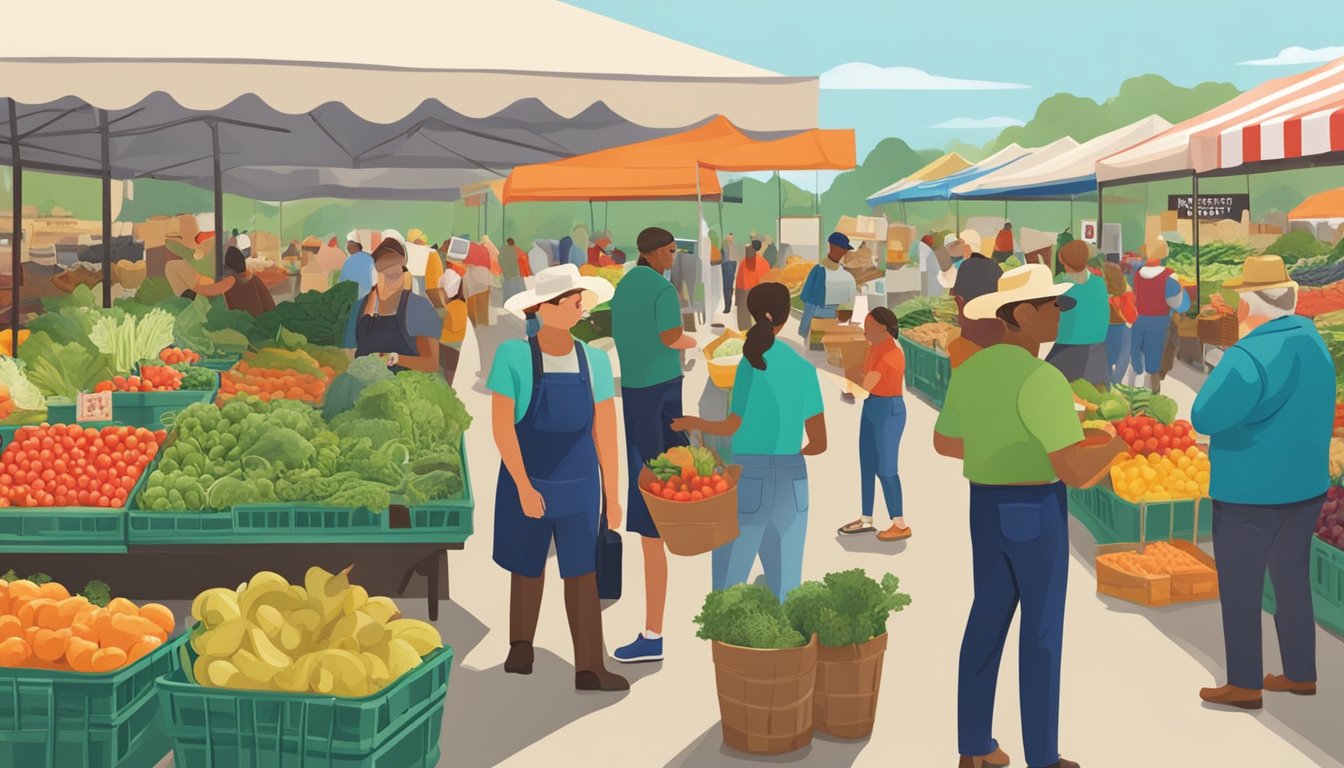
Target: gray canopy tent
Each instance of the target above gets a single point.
(250, 114)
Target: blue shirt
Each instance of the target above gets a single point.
(775, 403)
(421, 319)
(358, 269)
(1269, 409)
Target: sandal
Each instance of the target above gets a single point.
(855, 528)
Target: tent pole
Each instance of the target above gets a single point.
(16, 237)
(592, 218)
(703, 258)
(958, 227)
(1194, 231)
(779, 188)
(107, 207)
(219, 203)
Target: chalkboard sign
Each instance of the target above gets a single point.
(1211, 207)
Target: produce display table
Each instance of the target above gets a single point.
(1327, 586)
(137, 409)
(183, 571)
(1112, 520)
(927, 372)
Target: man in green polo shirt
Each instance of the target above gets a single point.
(646, 325)
(1009, 416)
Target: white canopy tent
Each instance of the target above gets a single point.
(1065, 172)
(1038, 157)
(338, 90)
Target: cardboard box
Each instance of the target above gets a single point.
(846, 347)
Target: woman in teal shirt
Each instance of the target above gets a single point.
(776, 399)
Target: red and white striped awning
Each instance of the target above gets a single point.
(1314, 127)
(1298, 116)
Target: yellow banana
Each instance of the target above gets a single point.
(267, 651)
(223, 640)
(355, 599)
(248, 664)
(401, 658)
(222, 674)
(326, 592)
(421, 635)
(381, 609)
(215, 606)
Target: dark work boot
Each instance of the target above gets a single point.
(524, 609)
(585, 625)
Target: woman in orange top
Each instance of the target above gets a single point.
(881, 426)
(749, 274)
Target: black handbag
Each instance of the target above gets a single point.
(609, 554)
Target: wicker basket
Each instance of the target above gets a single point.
(1219, 331)
(694, 527)
(723, 375)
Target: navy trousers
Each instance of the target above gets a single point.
(1020, 552)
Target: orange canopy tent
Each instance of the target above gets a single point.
(681, 166)
(1325, 205)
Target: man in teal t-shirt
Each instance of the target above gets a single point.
(1080, 350)
(646, 326)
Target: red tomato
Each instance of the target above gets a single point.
(656, 488)
(1145, 431)
(721, 487)
(1151, 444)
(1129, 435)
(696, 496)
(682, 496)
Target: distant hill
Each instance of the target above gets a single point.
(890, 160)
(1082, 118)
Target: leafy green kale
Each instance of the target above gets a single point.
(10, 575)
(39, 579)
(747, 615)
(346, 388)
(844, 608)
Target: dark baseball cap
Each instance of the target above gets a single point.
(841, 240)
(976, 277)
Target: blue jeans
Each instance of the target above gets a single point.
(810, 311)
(1020, 556)
(1149, 341)
(772, 520)
(1117, 351)
(729, 274)
(880, 430)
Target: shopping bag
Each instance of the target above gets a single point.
(609, 554)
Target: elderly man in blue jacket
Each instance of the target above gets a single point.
(1268, 408)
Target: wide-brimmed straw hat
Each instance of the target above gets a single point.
(1261, 273)
(1028, 283)
(556, 281)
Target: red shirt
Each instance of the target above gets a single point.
(1151, 294)
(1003, 243)
(888, 360)
(599, 258)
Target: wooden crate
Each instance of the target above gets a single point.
(1138, 588)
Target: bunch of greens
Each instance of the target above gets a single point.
(212, 329)
(25, 395)
(63, 369)
(399, 441)
(1145, 402)
(127, 340)
(346, 388)
(195, 377)
(845, 608)
(1293, 247)
(318, 315)
(747, 615)
(288, 341)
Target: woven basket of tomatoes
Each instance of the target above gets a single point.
(692, 498)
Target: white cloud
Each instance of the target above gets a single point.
(860, 76)
(1298, 55)
(973, 123)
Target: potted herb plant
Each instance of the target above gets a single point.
(764, 670)
(846, 613)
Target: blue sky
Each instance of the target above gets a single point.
(1084, 47)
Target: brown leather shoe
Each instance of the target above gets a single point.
(1065, 764)
(999, 759)
(895, 533)
(1281, 684)
(1232, 696)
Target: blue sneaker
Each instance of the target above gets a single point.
(642, 650)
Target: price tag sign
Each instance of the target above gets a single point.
(93, 406)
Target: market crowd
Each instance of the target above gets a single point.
(1009, 418)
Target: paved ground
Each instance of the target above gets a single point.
(1131, 675)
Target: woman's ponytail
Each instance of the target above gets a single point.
(769, 305)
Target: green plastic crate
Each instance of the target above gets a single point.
(1327, 586)
(1112, 520)
(136, 409)
(75, 720)
(219, 364)
(67, 529)
(399, 727)
(444, 521)
(927, 372)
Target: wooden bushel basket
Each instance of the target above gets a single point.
(765, 697)
(848, 679)
(694, 527)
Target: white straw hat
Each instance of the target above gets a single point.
(1028, 283)
(972, 239)
(555, 281)
(353, 237)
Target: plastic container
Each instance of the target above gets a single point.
(927, 372)
(136, 409)
(398, 727)
(67, 529)
(76, 720)
(1112, 520)
(448, 521)
(1327, 586)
